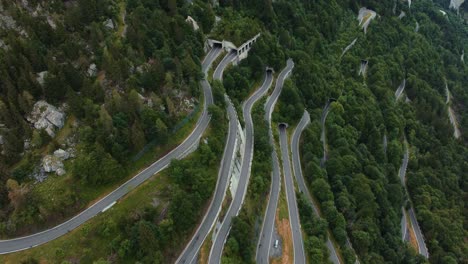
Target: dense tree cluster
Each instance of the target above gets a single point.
(359, 191)
(315, 232)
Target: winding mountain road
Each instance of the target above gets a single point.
(188, 145)
(264, 243)
(190, 252)
(235, 206)
(296, 159)
(218, 73)
(323, 136)
(403, 225)
(422, 248)
(293, 211)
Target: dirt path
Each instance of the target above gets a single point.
(412, 236)
(284, 229)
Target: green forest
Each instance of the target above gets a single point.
(129, 90)
(358, 189)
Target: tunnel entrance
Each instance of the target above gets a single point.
(283, 125)
(218, 45)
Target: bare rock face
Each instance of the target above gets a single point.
(46, 116)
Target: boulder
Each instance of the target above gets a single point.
(61, 154)
(51, 163)
(46, 116)
(92, 70)
(40, 77)
(56, 118)
(60, 171)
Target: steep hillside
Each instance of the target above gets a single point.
(88, 88)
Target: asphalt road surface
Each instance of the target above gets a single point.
(404, 225)
(323, 137)
(422, 249)
(218, 73)
(419, 236)
(22, 243)
(293, 211)
(233, 210)
(404, 165)
(296, 159)
(265, 239)
(190, 253)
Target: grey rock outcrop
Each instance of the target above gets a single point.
(46, 116)
(54, 163)
(61, 154)
(51, 163)
(41, 77)
(92, 70)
